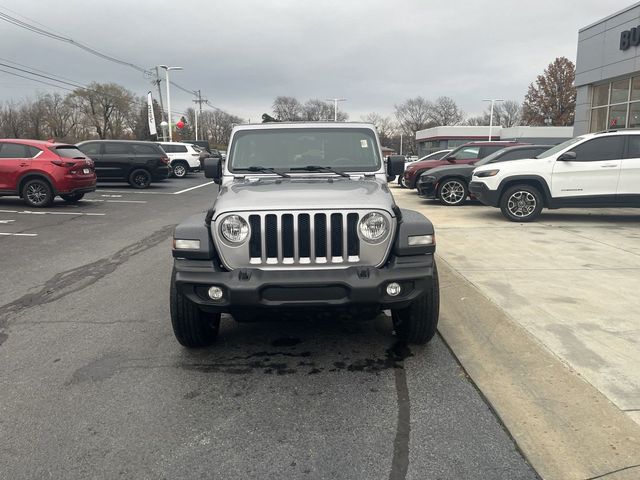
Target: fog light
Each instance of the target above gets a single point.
(393, 289)
(215, 293)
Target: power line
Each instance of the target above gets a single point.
(35, 80)
(49, 34)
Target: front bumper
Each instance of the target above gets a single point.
(484, 194)
(427, 187)
(302, 289)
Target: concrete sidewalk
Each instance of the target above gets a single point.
(571, 280)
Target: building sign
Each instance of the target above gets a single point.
(630, 38)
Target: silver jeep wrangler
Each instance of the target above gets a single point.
(304, 221)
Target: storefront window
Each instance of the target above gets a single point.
(600, 95)
(634, 115)
(635, 88)
(599, 119)
(620, 91)
(618, 116)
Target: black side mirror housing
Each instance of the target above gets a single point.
(395, 165)
(450, 159)
(567, 157)
(213, 169)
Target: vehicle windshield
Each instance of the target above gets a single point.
(489, 158)
(560, 147)
(287, 149)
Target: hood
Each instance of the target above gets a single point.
(450, 169)
(303, 194)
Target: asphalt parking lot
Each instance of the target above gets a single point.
(95, 385)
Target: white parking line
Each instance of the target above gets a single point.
(114, 201)
(193, 188)
(27, 212)
(2, 234)
(136, 191)
(7, 221)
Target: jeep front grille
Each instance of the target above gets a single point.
(302, 240)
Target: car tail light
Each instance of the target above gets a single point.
(62, 163)
(165, 160)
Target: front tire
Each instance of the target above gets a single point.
(521, 203)
(418, 322)
(191, 327)
(37, 193)
(72, 197)
(140, 178)
(402, 182)
(452, 192)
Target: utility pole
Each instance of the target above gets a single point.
(335, 106)
(157, 83)
(199, 101)
(166, 71)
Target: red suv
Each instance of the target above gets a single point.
(465, 154)
(37, 171)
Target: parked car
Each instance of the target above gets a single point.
(450, 183)
(183, 157)
(435, 155)
(319, 231)
(594, 170)
(136, 162)
(38, 171)
(468, 153)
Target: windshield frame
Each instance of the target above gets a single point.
(369, 132)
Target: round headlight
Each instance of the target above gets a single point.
(234, 229)
(373, 227)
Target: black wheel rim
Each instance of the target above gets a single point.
(37, 193)
(141, 179)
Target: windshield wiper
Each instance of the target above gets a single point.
(320, 168)
(258, 168)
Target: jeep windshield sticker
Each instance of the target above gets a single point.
(364, 143)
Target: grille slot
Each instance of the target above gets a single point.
(304, 238)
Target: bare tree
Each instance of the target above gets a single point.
(106, 107)
(386, 127)
(553, 96)
(478, 120)
(315, 110)
(59, 116)
(414, 114)
(507, 114)
(287, 109)
(12, 121)
(445, 111)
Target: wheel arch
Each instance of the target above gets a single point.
(531, 180)
(35, 176)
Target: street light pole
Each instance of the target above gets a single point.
(166, 68)
(335, 106)
(493, 101)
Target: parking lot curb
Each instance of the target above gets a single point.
(564, 426)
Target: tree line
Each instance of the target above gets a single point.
(105, 111)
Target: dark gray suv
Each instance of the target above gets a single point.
(136, 162)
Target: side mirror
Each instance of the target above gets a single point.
(450, 159)
(213, 169)
(567, 157)
(395, 165)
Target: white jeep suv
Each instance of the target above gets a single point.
(183, 157)
(594, 170)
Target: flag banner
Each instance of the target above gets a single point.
(152, 118)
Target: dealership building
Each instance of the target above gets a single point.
(608, 73)
(448, 137)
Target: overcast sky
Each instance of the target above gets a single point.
(244, 53)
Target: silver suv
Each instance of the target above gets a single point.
(304, 221)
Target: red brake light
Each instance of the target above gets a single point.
(165, 160)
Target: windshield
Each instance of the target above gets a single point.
(489, 158)
(291, 148)
(560, 147)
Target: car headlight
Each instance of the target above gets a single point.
(373, 227)
(486, 173)
(234, 229)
